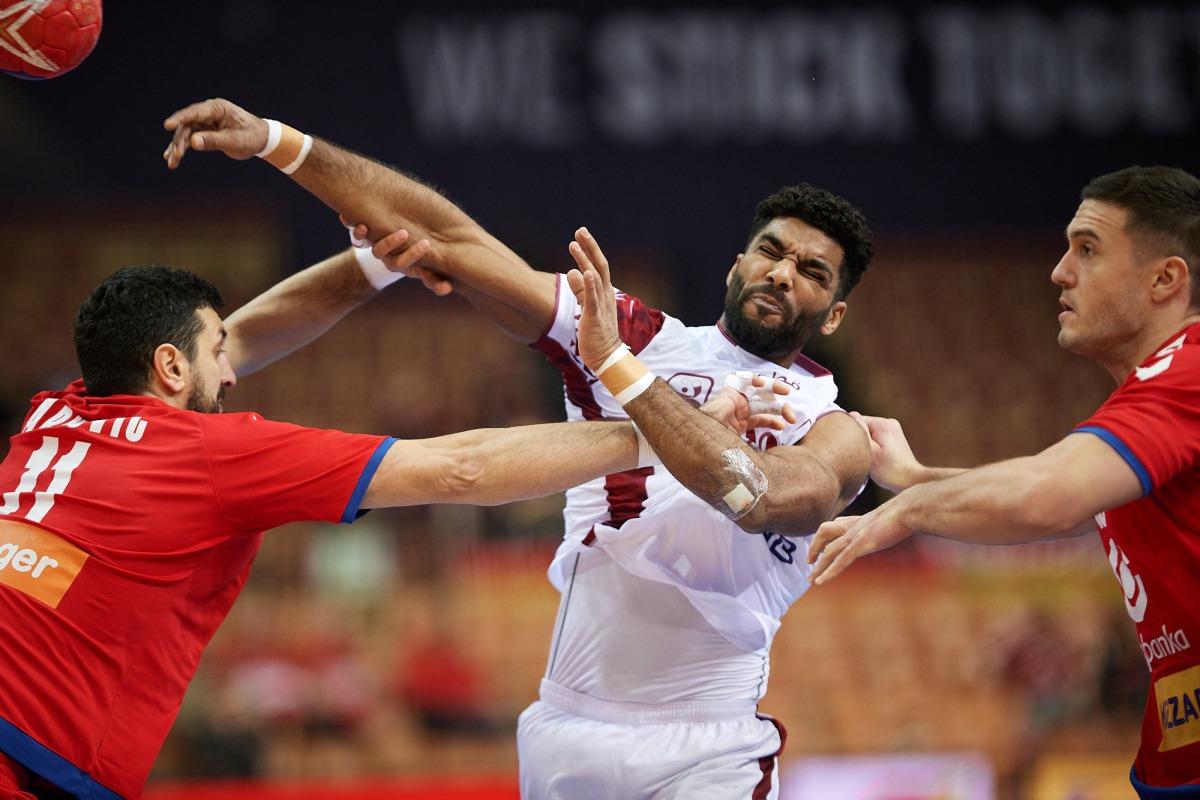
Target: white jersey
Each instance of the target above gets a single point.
(664, 598)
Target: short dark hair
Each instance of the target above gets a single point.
(131, 313)
(832, 215)
(1163, 206)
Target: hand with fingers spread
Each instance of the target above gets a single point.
(599, 336)
(839, 542)
(748, 401)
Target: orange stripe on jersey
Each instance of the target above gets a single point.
(38, 563)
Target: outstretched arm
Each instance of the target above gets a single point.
(501, 465)
(790, 489)
(300, 308)
(1051, 495)
(385, 200)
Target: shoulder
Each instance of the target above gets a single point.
(241, 429)
(1171, 370)
(805, 366)
(836, 439)
(838, 427)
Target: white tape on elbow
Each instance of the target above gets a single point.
(747, 484)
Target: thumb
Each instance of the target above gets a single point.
(233, 144)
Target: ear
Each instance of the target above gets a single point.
(836, 312)
(170, 370)
(1171, 277)
(733, 269)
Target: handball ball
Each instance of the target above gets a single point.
(46, 38)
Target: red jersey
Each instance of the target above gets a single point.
(1153, 545)
(127, 529)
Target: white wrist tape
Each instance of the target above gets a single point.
(373, 268)
(274, 134)
(294, 165)
(646, 455)
(634, 389)
(286, 147)
(624, 376)
(613, 358)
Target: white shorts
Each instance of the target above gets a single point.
(575, 747)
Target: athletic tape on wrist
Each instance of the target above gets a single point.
(613, 358)
(634, 389)
(626, 377)
(373, 268)
(646, 455)
(748, 486)
(274, 133)
(286, 147)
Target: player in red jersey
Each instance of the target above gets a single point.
(1131, 301)
(131, 509)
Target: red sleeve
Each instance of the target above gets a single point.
(637, 322)
(269, 473)
(1153, 419)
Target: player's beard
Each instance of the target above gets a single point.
(770, 342)
(202, 400)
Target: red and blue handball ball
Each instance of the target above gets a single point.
(42, 39)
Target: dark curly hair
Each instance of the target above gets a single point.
(131, 313)
(830, 214)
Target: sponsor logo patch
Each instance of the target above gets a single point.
(38, 563)
(1178, 698)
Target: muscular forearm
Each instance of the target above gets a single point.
(294, 312)
(500, 284)
(920, 473)
(712, 461)
(489, 467)
(371, 193)
(1003, 503)
(691, 445)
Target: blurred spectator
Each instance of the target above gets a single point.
(444, 688)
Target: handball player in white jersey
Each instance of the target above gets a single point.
(673, 581)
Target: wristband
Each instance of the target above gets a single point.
(613, 358)
(373, 268)
(646, 455)
(625, 377)
(286, 147)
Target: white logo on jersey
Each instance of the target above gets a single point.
(133, 431)
(1131, 584)
(1169, 643)
(694, 388)
(1164, 357)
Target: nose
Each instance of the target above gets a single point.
(1062, 274)
(780, 275)
(228, 377)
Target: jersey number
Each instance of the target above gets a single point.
(35, 467)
